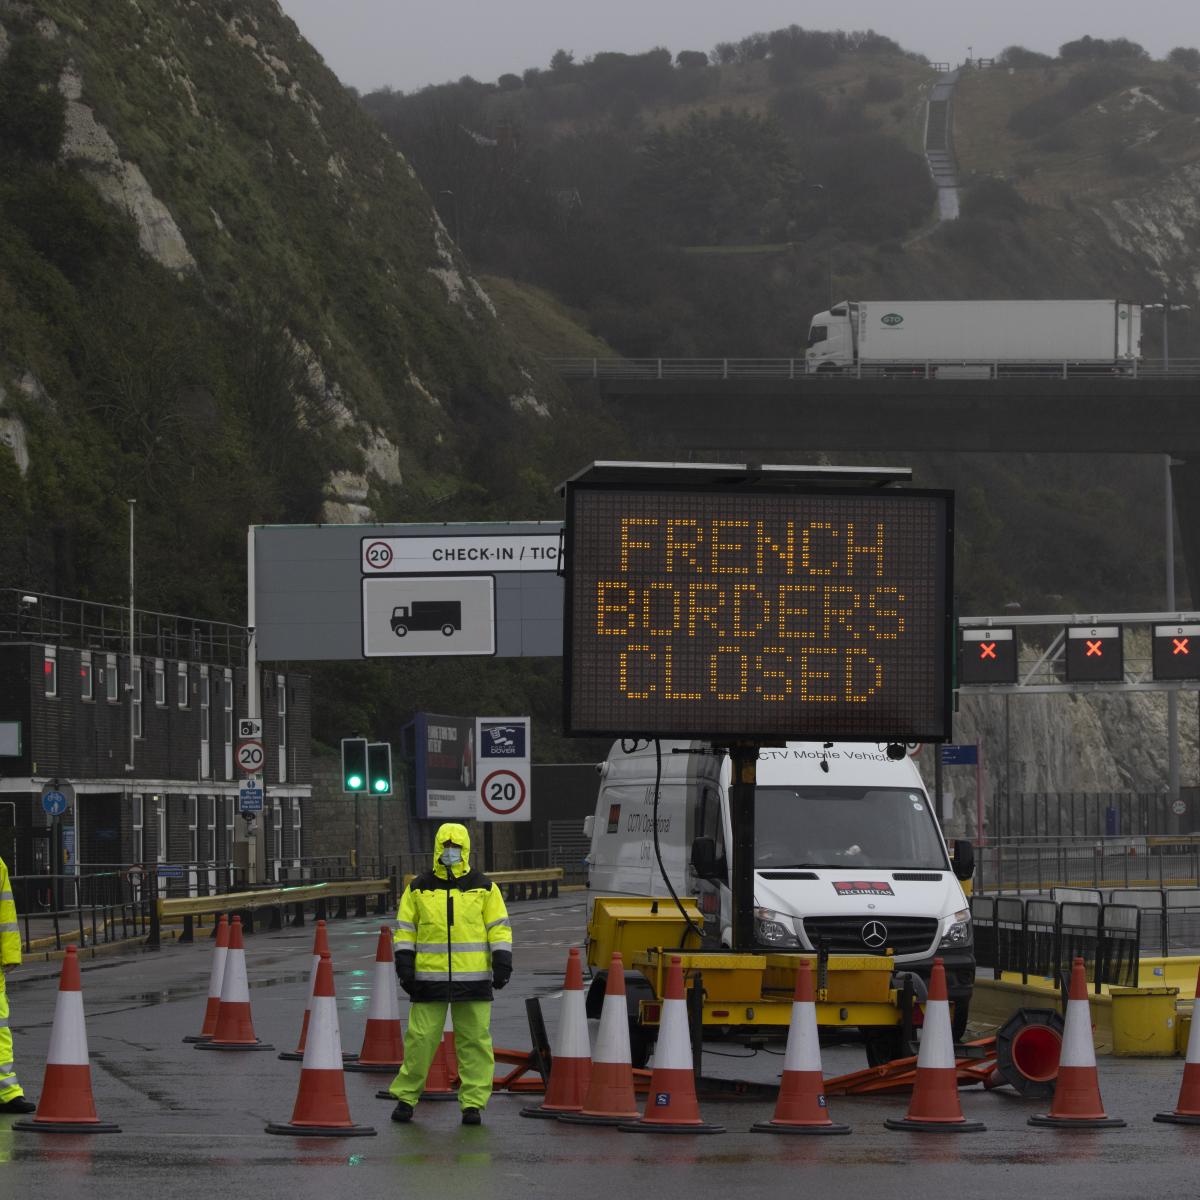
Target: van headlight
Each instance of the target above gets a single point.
(959, 934)
(774, 929)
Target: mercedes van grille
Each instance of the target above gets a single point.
(905, 935)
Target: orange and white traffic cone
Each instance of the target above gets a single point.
(571, 1060)
(1187, 1109)
(671, 1106)
(610, 1099)
(801, 1106)
(66, 1104)
(1077, 1103)
(235, 1026)
(320, 946)
(216, 975)
(321, 1108)
(383, 1042)
(934, 1107)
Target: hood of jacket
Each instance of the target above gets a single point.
(452, 832)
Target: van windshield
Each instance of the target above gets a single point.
(846, 827)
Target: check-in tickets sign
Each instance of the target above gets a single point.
(751, 615)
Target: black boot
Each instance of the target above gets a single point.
(18, 1104)
(403, 1111)
(472, 1116)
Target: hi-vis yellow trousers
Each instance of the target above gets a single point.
(472, 1046)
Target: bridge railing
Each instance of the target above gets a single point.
(792, 368)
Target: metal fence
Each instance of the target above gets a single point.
(793, 368)
(1041, 938)
(1042, 864)
(1084, 814)
(105, 906)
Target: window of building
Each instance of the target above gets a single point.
(194, 827)
(86, 682)
(205, 723)
(230, 802)
(135, 676)
(112, 681)
(139, 831)
(182, 685)
(296, 848)
(161, 805)
(227, 701)
(212, 828)
(276, 832)
(160, 683)
(281, 694)
(50, 670)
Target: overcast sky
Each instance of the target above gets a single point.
(405, 45)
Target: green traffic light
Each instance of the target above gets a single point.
(381, 785)
(354, 782)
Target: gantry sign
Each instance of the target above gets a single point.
(758, 612)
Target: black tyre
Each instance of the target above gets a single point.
(883, 1045)
(958, 1022)
(400, 630)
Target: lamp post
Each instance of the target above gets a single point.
(130, 765)
(820, 187)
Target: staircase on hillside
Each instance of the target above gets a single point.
(939, 145)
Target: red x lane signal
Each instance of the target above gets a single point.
(1094, 654)
(987, 656)
(1096, 648)
(1171, 649)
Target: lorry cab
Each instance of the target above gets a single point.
(848, 854)
(830, 345)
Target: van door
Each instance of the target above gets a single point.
(708, 823)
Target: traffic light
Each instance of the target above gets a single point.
(1176, 651)
(379, 768)
(354, 764)
(987, 656)
(1094, 654)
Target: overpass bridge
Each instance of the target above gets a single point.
(771, 406)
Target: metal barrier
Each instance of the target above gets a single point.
(1042, 937)
(1087, 863)
(96, 909)
(276, 900)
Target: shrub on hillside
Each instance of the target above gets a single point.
(1056, 141)
(1137, 161)
(991, 197)
(691, 60)
(1090, 49)
(1088, 86)
(33, 113)
(1187, 58)
(1182, 94)
(1020, 56)
(880, 88)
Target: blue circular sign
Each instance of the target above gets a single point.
(55, 803)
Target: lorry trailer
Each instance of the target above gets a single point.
(975, 338)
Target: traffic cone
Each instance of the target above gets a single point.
(216, 975)
(801, 1105)
(671, 1106)
(934, 1107)
(320, 946)
(1187, 1109)
(383, 1043)
(1077, 1103)
(235, 1027)
(571, 1061)
(610, 1099)
(321, 1108)
(439, 1082)
(66, 1104)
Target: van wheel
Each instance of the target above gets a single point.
(958, 1022)
(447, 629)
(400, 630)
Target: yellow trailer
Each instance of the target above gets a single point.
(740, 989)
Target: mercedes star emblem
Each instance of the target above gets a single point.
(874, 934)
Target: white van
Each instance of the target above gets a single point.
(848, 852)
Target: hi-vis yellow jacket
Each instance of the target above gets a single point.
(452, 929)
(10, 931)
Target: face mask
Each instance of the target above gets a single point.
(451, 855)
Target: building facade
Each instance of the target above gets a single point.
(138, 730)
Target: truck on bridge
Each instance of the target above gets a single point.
(969, 339)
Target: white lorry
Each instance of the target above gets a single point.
(975, 338)
(848, 858)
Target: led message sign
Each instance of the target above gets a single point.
(757, 614)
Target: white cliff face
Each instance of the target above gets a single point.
(89, 146)
(1162, 225)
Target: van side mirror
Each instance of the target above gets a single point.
(964, 859)
(704, 857)
(589, 826)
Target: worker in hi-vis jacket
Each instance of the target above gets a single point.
(453, 945)
(12, 1098)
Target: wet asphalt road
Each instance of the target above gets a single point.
(192, 1122)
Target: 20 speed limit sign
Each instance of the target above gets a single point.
(503, 794)
(250, 756)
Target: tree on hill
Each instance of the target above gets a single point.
(1187, 58)
(1020, 56)
(1090, 49)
